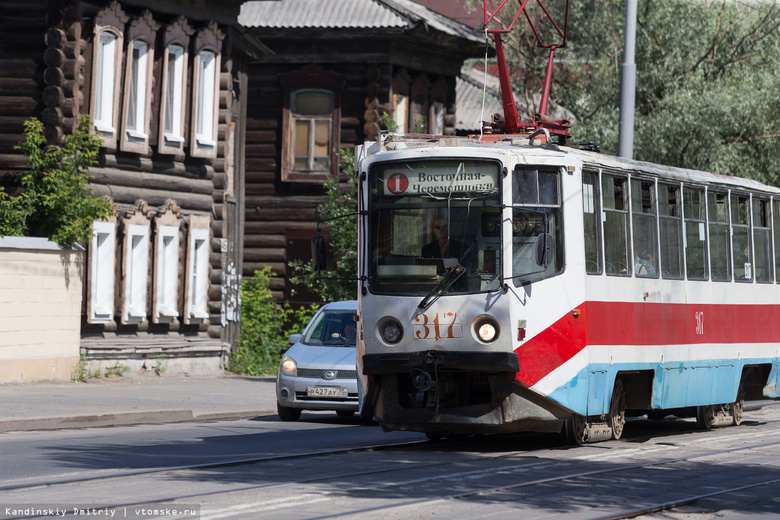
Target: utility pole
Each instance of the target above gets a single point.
(628, 85)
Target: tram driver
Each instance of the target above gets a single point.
(442, 246)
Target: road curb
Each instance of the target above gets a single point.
(123, 419)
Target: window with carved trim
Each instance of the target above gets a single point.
(311, 113)
(106, 72)
(167, 275)
(136, 275)
(176, 40)
(138, 84)
(311, 124)
(205, 95)
(197, 275)
(101, 281)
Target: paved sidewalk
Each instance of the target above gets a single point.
(123, 401)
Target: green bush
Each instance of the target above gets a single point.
(53, 198)
(265, 327)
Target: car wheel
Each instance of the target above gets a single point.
(345, 413)
(287, 413)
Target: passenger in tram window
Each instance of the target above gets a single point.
(644, 264)
(442, 246)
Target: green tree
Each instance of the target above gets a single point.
(53, 198)
(706, 96)
(265, 326)
(339, 280)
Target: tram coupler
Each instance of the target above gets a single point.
(597, 432)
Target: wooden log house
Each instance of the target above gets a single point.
(165, 84)
(333, 73)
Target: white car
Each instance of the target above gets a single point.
(318, 371)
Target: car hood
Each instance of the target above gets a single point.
(307, 356)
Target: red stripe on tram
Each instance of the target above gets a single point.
(620, 323)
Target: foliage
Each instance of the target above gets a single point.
(265, 326)
(339, 281)
(81, 370)
(706, 94)
(54, 199)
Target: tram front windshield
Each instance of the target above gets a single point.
(435, 224)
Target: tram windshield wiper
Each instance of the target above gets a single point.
(452, 276)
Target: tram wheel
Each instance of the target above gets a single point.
(705, 416)
(575, 429)
(738, 408)
(617, 410)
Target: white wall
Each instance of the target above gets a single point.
(40, 310)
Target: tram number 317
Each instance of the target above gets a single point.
(700, 323)
(442, 325)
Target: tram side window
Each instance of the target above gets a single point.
(670, 222)
(590, 217)
(536, 216)
(720, 255)
(644, 228)
(762, 240)
(614, 192)
(740, 226)
(776, 227)
(695, 234)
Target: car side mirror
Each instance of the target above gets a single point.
(293, 339)
(544, 245)
(318, 256)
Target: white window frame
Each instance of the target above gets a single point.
(136, 97)
(167, 276)
(174, 94)
(401, 112)
(136, 273)
(205, 101)
(102, 271)
(108, 44)
(437, 118)
(197, 274)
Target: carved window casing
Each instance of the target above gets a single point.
(419, 114)
(106, 72)
(102, 247)
(311, 123)
(166, 264)
(176, 41)
(205, 95)
(438, 107)
(400, 103)
(139, 67)
(196, 291)
(135, 264)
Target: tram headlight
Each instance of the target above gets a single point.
(486, 329)
(391, 331)
(288, 366)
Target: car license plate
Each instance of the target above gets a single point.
(326, 391)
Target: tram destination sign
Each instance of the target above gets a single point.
(440, 179)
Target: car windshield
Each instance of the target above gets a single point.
(332, 328)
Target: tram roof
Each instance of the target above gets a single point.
(521, 146)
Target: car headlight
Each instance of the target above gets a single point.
(391, 331)
(486, 329)
(288, 367)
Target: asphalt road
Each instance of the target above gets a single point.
(327, 467)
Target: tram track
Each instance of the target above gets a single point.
(395, 508)
(207, 465)
(412, 503)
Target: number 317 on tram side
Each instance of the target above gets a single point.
(512, 286)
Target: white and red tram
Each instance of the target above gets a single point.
(517, 286)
